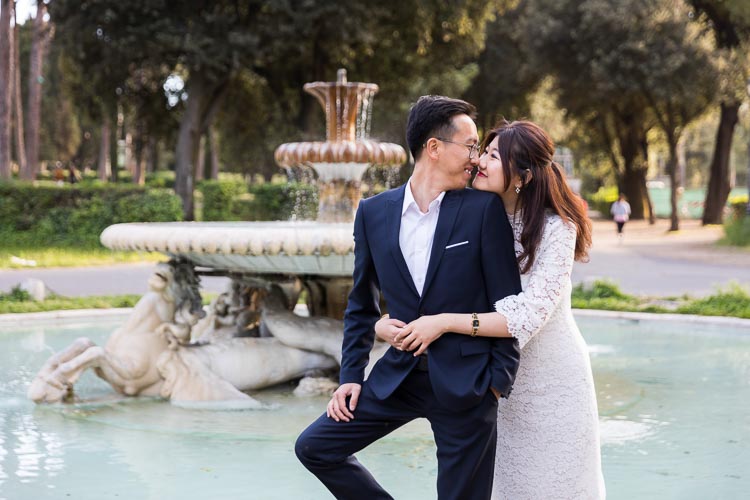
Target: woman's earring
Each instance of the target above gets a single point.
(518, 189)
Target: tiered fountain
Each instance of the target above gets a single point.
(250, 338)
(342, 159)
(319, 253)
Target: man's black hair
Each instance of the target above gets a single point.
(432, 116)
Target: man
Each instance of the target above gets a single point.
(429, 246)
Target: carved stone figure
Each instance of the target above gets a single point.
(152, 353)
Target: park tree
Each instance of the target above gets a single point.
(204, 41)
(678, 85)
(42, 34)
(408, 47)
(6, 79)
(620, 70)
(729, 21)
(506, 78)
(591, 50)
(17, 96)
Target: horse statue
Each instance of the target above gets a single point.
(169, 347)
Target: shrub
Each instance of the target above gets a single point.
(602, 200)
(600, 289)
(219, 198)
(283, 201)
(160, 179)
(732, 301)
(50, 215)
(737, 224)
(231, 199)
(737, 231)
(738, 205)
(602, 295)
(16, 294)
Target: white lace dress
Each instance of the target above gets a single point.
(548, 429)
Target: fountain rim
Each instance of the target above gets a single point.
(348, 85)
(267, 239)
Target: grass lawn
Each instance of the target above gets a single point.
(72, 257)
(733, 301)
(18, 301)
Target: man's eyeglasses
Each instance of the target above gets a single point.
(473, 148)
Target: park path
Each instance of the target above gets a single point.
(651, 261)
(648, 261)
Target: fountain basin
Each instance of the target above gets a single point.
(300, 248)
(673, 402)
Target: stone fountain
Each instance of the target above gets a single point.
(250, 337)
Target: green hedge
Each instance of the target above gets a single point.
(232, 199)
(737, 223)
(49, 215)
(219, 198)
(602, 200)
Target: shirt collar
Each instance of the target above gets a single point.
(409, 199)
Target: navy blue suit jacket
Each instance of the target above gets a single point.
(462, 279)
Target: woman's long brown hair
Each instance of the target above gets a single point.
(524, 148)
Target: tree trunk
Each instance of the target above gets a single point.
(718, 182)
(202, 104)
(213, 144)
(130, 162)
(151, 146)
(6, 72)
(103, 167)
(673, 185)
(139, 146)
(633, 182)
(200, 162)
(114, 147)
(42, 34)
(18, 101)
(187, 146)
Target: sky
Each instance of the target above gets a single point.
(25, 9)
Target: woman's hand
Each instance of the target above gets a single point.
(386, 330)
(420, 333)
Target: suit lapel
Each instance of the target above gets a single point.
(448, 211)
(393, 228)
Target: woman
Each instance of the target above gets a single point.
(548, 438)
(620, 211)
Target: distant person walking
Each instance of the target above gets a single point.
(620, 213)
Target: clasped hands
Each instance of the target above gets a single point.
(415, 336)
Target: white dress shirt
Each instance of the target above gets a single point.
(416, 235)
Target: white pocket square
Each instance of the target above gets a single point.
(457, 244)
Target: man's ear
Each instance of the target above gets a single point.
(432, 148)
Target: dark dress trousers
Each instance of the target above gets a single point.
(472, 265)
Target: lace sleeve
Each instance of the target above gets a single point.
(529, 311)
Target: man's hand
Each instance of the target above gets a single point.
(337, 408)
(420, 333)
(386, 330)
(496, 393)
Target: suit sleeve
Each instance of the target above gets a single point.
(501, 280)
(363, 307)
